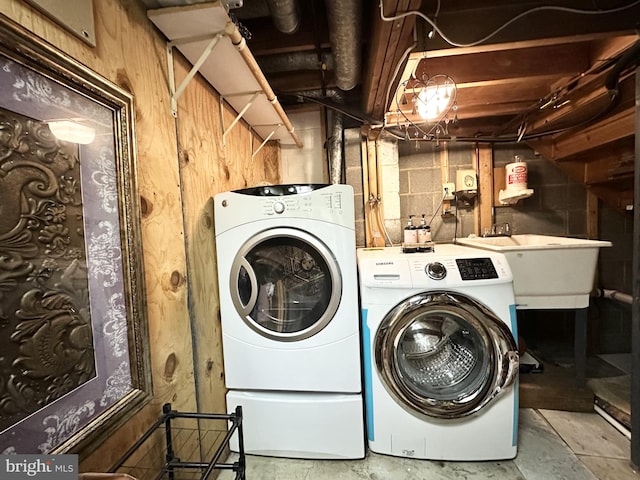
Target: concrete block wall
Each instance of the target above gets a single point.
(558, 204)
(615, 273)
(557, 207)
(421, 181)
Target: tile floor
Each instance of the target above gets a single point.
(552, 445)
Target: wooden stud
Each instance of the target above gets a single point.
(485, 186)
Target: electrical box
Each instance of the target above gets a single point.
(448, 191)
(466, 181)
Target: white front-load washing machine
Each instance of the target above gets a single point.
(440, 356)
(290, 320)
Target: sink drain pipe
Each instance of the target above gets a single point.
(613, 295)
(622, 298)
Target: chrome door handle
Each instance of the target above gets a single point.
(513, 360)
(253, 297)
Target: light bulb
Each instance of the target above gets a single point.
(433, 100)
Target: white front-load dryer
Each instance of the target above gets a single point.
(290, 320)
(440, 356)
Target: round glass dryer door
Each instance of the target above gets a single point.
(444, 355)
(285, 284)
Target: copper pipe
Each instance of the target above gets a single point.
(238, 40)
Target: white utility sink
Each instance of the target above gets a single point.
(548, 271)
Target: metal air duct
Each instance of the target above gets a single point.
(285, 15)
(336, 142)
(335, 130)
(345, 32)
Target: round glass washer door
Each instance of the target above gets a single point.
(285, 284)
(444, 355)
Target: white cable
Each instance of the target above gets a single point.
(381, 222)
(373, 229)
(402, 59)
(437, 209)
(509, 22)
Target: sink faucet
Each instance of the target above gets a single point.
(502, 230)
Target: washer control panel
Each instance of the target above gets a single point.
(476, 268)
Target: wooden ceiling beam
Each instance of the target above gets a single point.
(612, 129)
(476, 21)
(583, 103)
(559, 60)
(388, 42)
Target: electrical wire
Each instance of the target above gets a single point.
(437, 209)
(611, 83)
(404, 56)
(373, 229)
(554, 8)
(520, 136)
(438, 136)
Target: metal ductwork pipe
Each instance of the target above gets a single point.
(289, 62)
(335, 142)
(285, 15)
(345, 32)
(336, 156)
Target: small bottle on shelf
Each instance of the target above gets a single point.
(410, 232)
(424, 231)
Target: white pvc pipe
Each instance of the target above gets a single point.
(612, 421)
(615, 295)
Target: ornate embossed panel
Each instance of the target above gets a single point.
(73, 342)
(45, 319)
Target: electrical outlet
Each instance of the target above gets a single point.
(448, 190)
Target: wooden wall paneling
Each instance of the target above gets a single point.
(207, 168)
(141, 58)
(130, 53)
(201, 157)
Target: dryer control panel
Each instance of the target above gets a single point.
(280, 204)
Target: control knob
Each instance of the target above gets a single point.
(436, 270)
(278, 207)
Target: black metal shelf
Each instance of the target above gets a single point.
(184, 446)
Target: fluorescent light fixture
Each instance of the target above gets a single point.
(73, 132)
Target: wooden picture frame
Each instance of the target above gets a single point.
(74, 364)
